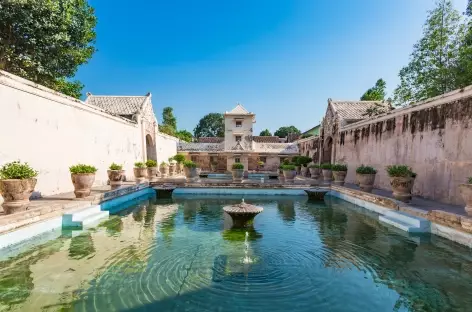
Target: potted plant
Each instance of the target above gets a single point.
(115, 175)
(281, 174)
(180, 158)
(213, 166)
(171, 166)
(190, 169)
(17, 182)
(260, 165)
(152, 170)
(296, 164)
(314, 171)
(164, 169)
(326, 171)
(83, 177)
(303, 161)
(401, 180)
(365, 177)
(238, 172)
(466, 192)
(339, 173)
(289, 172)
(140, 172)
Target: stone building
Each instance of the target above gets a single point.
(238, 145)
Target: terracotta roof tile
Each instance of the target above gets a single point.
(117, 105)
(266, 139)
(355, 109)
(210, 140)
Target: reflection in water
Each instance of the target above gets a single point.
(177, 254)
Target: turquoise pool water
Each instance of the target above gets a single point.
(181, 254)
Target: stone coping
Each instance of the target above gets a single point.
(449, 219)
(56, 205)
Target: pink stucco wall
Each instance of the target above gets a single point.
(434, 138)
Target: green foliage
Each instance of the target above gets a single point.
(366, 170)
(238, 166)
(166, 129)
(151, 163)
(81, 246)
(17, 170)
(260, 163)
(211, 125)
(283, 132)
(433, 64)
(339, 167)
(179, 158)
(82, 169)
(288, 167)
(114, 166)
(46, 41)
(265, 132)
(184, 135)
(400, 171)
(326, 166)
(314, 166)
(170, 159)
(190, 164)
(286, 161)
(376, 93)
(306, 135)
(303, 160)
(164, 164)
(168, 119)
(139, 164)
(470, 180)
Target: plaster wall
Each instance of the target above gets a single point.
(245, 131)
(166, 146)
(434, 138)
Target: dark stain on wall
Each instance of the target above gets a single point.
(405, 122)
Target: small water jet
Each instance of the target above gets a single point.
(242, 213)
(246, 259)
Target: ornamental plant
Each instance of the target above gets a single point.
(366, 170)
(190, 164)
(286, 161)
(314, 166)
(139, 164)
(114, 166)
(303, 160)
(260, 163)
(170, 159)
(151, 163)
(17, 170)
(288, 167)
(179, 158)
(164, 164)
(237, 166)
(326, 166)
(400, 171)
(82, 169)
(339, 167)
(470, 180)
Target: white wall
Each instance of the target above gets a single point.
(52, 132)
(166, 146)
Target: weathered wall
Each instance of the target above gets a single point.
(166, 146)
(433, 137)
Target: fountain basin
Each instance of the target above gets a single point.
(242, 213)
(316, 193)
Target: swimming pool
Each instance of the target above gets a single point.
(181, 254)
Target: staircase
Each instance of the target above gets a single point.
(84, 217)
(406, 222)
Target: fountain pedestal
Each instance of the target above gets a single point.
(316, 193)
(242, 213)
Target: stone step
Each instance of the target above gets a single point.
(407, 218)
(94, 219)
(84, 213)
(83, 217)
(404, 226)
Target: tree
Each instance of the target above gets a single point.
(464, 65)
(433, 64)
(46, 41)
(265, 132)
(168, 119)
(376, 93)
(211, 125)
(184, 135)
(283, 132)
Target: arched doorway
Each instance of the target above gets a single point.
(327, 150)
(150, 148)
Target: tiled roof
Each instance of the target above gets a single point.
(200, 147)
(117, 105)
(266, 139)
(210, 140)
(355, 109)
(238, 110)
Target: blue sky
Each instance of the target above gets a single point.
(281, 59)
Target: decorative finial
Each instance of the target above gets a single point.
(242, 201)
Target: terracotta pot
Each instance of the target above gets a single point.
(315, 173)
(402, 187)
(164, 171)
(339, 177)
(172, 170)
(191, 173)
(82, 184)
(289, 175)
(304, 171)
(466, 193)
(152, 173)
(327, 174)
(365, 181)
(140, 174)
(115, 177)
(16, 194)
(238, 175)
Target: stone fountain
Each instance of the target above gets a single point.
(242, 213)
(316, 193)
